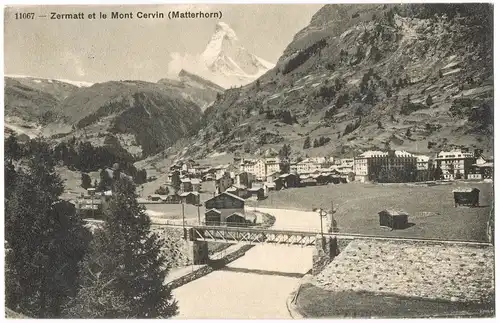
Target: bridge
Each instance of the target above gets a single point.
(251, 235)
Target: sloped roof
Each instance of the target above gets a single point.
(231, 195)
(393, 212)
(213, 210)
(189, 193)
(237, 214)
(465, 189)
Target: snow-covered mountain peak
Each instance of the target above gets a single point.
(224, 61)
(221, 28)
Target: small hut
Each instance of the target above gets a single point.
(256, 193)
(236, 219)
(393, 219)
(190, 198)
(466, 196)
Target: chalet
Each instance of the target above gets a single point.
(236, 219)
(270, 186)
(190, 198)
(239, 219)
(186, 185)
(154, 197)
(227, 204)
(196, 184)
(287, 180)
(483, 168)
(173, 198)
(256, 193)
(244, 178)
(238, 190)
(208, 177)
(223, 182)
(308, 180)
(272, 177)
(212, 217)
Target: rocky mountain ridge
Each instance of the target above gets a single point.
(417, 77)
(141, 117)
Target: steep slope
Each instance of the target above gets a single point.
(194, 88)
(417, 77)
(34, 99)
(141, 117)
(227, 63)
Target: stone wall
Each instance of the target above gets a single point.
(178, 250)
(207, 269)
(326, 249)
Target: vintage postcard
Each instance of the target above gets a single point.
(249, 161)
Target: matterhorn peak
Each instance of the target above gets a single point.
(226, 62)
(224, 28)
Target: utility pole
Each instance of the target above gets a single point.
(183, 215)
(321, 221)
(199, 218)
(321, 214)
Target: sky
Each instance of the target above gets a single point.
(102, 50)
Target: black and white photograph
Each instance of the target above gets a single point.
(249, 161)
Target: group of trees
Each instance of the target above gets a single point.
(352, 126)
(317, 142)
(284, 116)
(55, 267)
(407, 174)
(85, 157)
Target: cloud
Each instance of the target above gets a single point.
(188, 62)
(74, 63)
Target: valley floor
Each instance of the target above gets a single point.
(431, 209)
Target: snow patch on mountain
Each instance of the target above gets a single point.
(42, 79)
(224, 61)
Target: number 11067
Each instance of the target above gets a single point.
(25, 15)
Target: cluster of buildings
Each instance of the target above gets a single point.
(404, 166)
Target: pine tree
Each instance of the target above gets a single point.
(12, 148)
(307, 143)
(86, 181)
(124, 272)
(45, 238)
(428, 101)
(176, 181)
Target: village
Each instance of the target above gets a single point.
(216, 195)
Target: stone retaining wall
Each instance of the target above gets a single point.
(207, 269)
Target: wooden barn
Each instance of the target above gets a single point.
(190, 198)
(227, 204)
(393, 219)
(466, 196)
(237, 219)
(256, 193)
(212, 217)
(173, 198)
